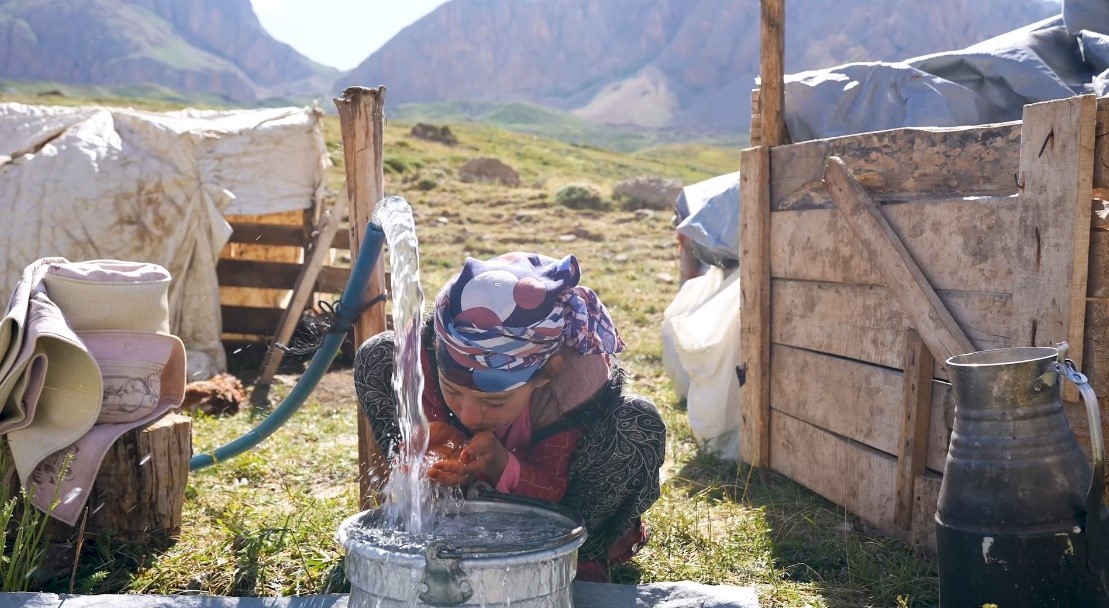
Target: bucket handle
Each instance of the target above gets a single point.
(1095, 498)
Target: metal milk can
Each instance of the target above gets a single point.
(1021, 521)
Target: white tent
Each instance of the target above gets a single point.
(108, 183)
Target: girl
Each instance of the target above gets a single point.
(522, 392)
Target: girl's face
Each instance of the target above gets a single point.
(486, 411)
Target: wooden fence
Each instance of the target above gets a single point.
(846, 388)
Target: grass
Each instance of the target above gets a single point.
(264, 523)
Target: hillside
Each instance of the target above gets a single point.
(662, 63)
(198, 47)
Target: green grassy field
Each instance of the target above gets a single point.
(264, 523)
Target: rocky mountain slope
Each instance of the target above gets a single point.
(658, 62)
(193, 46)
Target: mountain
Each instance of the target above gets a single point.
(192, 46)
(658, 63)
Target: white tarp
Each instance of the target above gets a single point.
(107, 183)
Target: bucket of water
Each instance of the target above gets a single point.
(1021, 521)
(493, 552)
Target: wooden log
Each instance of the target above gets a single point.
(754, 239)
(865, 322)
(919, 303)
(139, 491)
(902, 164)
(1101, 146)
(959, 244)
(916, 411)
(847, 473)
(772, 71)
(361, 122)
(1053, 230)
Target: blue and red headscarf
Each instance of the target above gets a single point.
(499, 320)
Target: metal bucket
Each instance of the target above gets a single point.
(527, 575)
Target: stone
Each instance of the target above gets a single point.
(648, 192)
(427, 132)
(664, 277)
(487, 169)
(644, 214)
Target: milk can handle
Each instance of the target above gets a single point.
(1095, 498)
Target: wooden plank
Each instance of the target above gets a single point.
(847, 473)
(361, 125)
(902, 164)
(302, 292)
(1053, 229)
(916, 403)
(959, 244)
(772, 73)
(754, 239)
(280, 235)
(276, 275)
(865, 322)
(249, 320)
(940, 420)
(926, 494)
(851, 399)
(756, 120)
(1095, 363)
(919, 303)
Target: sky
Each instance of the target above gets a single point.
(339, 33)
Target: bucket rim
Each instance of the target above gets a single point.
(1004, 356)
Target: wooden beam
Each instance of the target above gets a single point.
(902, 164)
(916, 412)
(755, 131)
(754, 267)
(249, 320)
(361, 123)
(276, 275)
(919, 303)
(772, 88)
(1053, 228)
(280, 235)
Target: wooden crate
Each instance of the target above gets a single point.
(1001, 219)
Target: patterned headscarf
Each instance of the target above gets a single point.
(500, 320)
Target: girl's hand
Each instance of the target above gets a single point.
(480, 455)
(444, 441)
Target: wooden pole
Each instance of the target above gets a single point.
(754, 285)
(772, 88)
(361, 122)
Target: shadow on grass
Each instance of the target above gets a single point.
(104, 564)
(813, 541)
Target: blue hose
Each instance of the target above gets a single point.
(352, 301)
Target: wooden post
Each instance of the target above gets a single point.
(772, 88)
(139, 492)
(361, 122)
(1056, 172)
(922, 308)
(912, 449)
(754, 282)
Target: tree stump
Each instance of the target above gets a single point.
(140, 490)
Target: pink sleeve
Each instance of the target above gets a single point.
(510, 476)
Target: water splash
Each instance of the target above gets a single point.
(407, 492)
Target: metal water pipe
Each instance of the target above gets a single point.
(351, 303)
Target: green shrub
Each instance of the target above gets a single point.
(580, 196)
(394, 165)
(427, 183)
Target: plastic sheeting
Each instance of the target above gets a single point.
(702, 210)
(988, 82)
(94, 183)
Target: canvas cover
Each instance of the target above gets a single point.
(108, 183)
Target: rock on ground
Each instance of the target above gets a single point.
(486, 169)
(649, 192)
